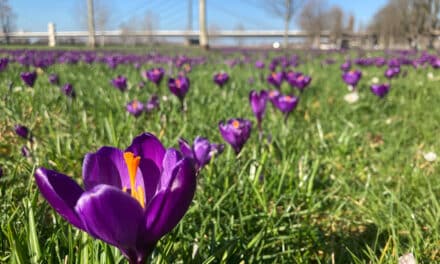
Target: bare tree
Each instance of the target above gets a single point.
(101, 10)
(150, 24)
(413, 19)
(285, 9)
(312, 19)
(7, 18)
(240, 41)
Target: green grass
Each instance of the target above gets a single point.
(340, 182)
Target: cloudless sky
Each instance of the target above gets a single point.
(170, 14)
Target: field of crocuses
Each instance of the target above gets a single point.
(232, 156)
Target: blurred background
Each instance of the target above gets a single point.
(319, 24)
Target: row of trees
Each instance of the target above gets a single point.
(407, 21)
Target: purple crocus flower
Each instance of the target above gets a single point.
(221, 78)
(53, 79)
(120, 82)
(29, 78)
(285, 103)
(201, 151)
(392, 72)
(22, 131)
(380, 89)
(236, 132)
(155, 75)
(130, 198)
(68, 90)
(3, 63)
(352, 77)
(179, 86)
(152, 103)
(258, 104)
(259, 64)
(345, 67)
(299, 81)
(276, 79)
(135, 108)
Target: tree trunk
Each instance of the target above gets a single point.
(286, 33)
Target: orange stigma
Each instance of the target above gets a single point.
(300, 78)
(288, 98)
(235, 124)
(132, 162)
(135, 104)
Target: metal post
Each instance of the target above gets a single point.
(202, 25)
(51, 31)
(91, 23)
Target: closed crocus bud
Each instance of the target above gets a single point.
(120, 82)
(236, 132)
(29, 78)
(179, 86)
(286, 103)
(299, 80)
(380, 90)
(221, 78)
(53, 79)
(135, 108)
(22, 131)
(68, 90)
(352, 77)
(258, 102)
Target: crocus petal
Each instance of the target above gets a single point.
(106, 166)
(185, 148)
(202, 147)
(148, 146)
(170, 160)
(61, 192)
(112, 216)
(150, 175)
(171, 201)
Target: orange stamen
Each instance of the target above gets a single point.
(235, 124)
(132, 165)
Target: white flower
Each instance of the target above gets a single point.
(375, 80)
(430, 75)
(351, 98)
(407, 259)
(430, 156)
(165, 98)
(350, 88)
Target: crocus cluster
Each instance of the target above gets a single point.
(131, 198)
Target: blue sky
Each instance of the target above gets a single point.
(171, 14)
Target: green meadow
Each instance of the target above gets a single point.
(336, 182)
